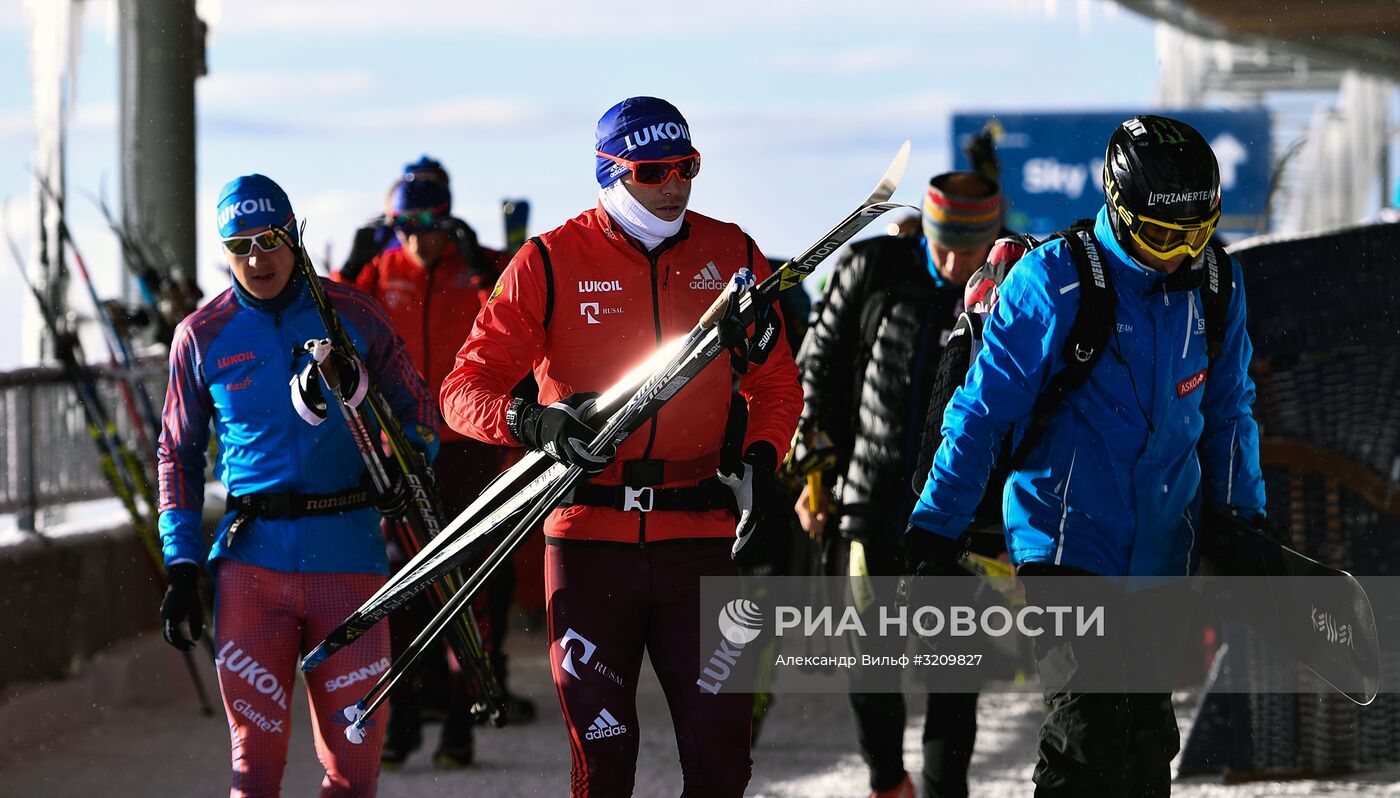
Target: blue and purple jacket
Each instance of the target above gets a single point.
(230, 364)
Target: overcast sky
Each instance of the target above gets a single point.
(796, 106)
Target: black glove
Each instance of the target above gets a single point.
(182, 603)
(560, 431)
(751, 483)
(931, 554)
(393, 501)
(1273, 530)
(369, 241)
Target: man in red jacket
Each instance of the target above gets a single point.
(580, 306)
(432, 286)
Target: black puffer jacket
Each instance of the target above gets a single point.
(867, 371)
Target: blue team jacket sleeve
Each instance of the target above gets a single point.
(184, 437)
(1229, 447)
(1019, 350)
(390, 367)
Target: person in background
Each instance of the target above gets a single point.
(432, 285)
(868, 366)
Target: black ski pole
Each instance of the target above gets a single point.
(463, 636)
(425, 509)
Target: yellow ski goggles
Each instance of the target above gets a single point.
(1166, 240)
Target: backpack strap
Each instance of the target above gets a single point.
(1215, 297)
(882, 275)
(1088, 336)
(548, 280)
(953, 365)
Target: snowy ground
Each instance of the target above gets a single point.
(61, 741)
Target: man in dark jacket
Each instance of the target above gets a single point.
(867, 372)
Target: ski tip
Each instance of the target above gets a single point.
(893, 175)
(314, 659)
(1362, 699)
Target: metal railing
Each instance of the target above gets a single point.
(46, 455)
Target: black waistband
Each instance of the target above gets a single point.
(296, 505)
(658, 472)
(710, 494)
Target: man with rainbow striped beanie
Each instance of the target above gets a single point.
(892, 304)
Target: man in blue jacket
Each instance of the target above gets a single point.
(1115, 485)
(299, 548)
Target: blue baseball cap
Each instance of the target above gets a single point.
(416, 193)
(253, 201)
(640, 129)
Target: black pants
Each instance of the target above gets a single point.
(950, 728)
(950, 725)
(1103, 735)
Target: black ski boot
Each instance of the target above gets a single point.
(457, 748)
(519, 710)
(403, 734)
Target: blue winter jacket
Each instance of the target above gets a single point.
(230, 365)
(1115, 486)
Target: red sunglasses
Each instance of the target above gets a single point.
(656, 173)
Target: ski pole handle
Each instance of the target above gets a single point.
(726, 302)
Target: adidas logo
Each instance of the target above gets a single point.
(605, 725)
(709, 279)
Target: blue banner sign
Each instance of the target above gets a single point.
(1052, 163)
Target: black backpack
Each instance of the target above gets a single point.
(1088, 338)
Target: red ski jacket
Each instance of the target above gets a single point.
(600, 307)
(432, 309)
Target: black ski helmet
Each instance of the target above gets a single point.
(1162, 185)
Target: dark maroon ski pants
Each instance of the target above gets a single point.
(607, 604)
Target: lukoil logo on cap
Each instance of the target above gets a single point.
(667, 131)
(244, 208)
(252, 201)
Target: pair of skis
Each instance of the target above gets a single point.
(123, 469)
(144, 419)
(523, 495)
(166, 291)
(422, 522)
